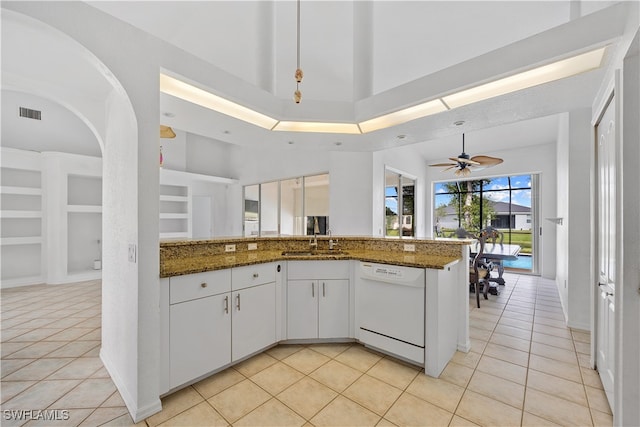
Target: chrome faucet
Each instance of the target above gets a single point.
(313, 242)
(332, 243)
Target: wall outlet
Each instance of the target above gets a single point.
(132, 252)
(229, 248)
(252, 246)
(409, 247)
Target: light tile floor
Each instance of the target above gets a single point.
(525, 368)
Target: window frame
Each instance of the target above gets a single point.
(401, 176)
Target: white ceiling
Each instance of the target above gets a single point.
(371, 55)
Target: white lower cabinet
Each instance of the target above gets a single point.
(217, 318)
(254, 320)
(200, 337)
(317, 309)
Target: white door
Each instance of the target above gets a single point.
(606, 187)
(201, 217)
(333, 309)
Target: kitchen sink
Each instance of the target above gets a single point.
(314, 253)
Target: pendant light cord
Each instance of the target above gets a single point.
(298, 35)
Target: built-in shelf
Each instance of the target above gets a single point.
(84, 208)
(186, 178)
(21, 242)
(174, 235)
(24, 191)
(168, 198)
(20, 214)
(7, 241)
(174, 216)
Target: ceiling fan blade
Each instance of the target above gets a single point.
(444, 164)
(486, 161)
(449, 168)
(166, 132)
(463, 160)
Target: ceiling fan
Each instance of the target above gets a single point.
(464, 164)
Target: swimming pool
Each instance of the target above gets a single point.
(524, 262)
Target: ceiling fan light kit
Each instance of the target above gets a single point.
(463, 164)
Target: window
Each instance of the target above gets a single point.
(506, 203)
(291, 207)
(399, 204)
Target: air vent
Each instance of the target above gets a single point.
(30, 114)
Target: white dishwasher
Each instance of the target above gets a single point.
(390, 309)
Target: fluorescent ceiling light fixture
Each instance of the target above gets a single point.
(201, 97)
(349, 128)
(544, 74)
(403, 116)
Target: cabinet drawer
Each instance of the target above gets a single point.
(252, 275)
(199, 285)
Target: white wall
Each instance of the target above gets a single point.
(174, 151)
(627, 410)
(536, 159)
(351, 193)
(410, 162)
(575, 150)
(208, 156)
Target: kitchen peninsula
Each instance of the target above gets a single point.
(224, 300)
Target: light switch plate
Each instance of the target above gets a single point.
(229, 248)
(409, 247)
(252, 246)
(132, 252)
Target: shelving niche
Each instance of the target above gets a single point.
(176, 195)
(21, 241)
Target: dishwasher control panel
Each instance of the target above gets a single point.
(387, 271)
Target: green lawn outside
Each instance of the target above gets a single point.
(518, 237)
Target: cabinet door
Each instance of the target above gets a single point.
(254, 320)
(200, 337)
(302, 309)
(333, 309)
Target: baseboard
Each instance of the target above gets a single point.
(137, 413)
(21, 281)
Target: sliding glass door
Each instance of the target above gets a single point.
(507, 203)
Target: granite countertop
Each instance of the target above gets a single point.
(200, 263)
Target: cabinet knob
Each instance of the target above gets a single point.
(203, 285)
(255, 275)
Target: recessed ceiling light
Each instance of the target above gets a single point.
(290, 142)
(226, 132)
(401, 137)
(459, 122)
(168, 114)
(337, 143)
